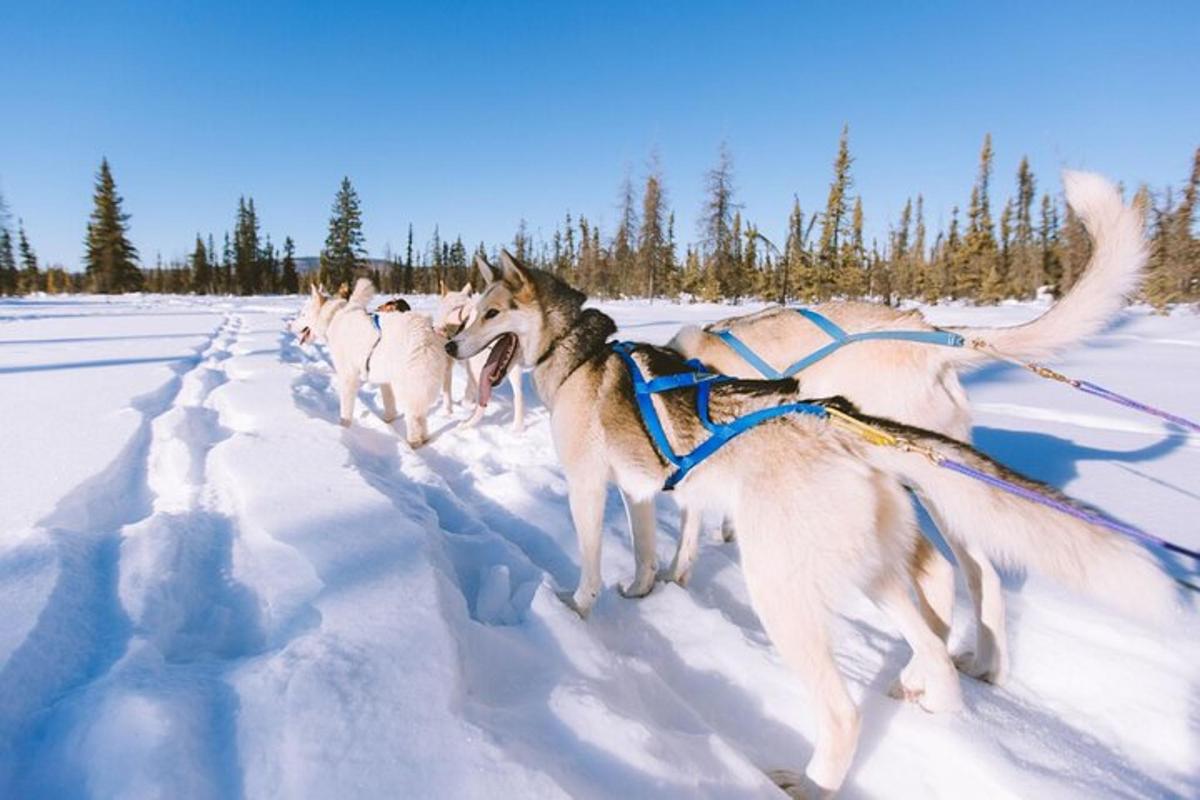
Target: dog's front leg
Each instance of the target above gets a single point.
(448, 388)
(642, 524)
(516, 379)
(586, 494)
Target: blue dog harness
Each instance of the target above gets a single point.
(702, 381)
(840, 339)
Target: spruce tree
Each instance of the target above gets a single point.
(110, 260)
(344, 251)
(833, 222)
(1025, 260)
(717, 226)
(31, 279)
(201, 268)
(979, 245)
(652, 247)
(8, 264)
(289, 280)
(623, 249)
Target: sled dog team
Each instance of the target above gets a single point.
(817, 511)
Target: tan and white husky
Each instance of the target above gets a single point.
(398, 351)
(919, 384)
(819, 513)
(453, 312)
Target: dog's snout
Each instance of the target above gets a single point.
(452, 349)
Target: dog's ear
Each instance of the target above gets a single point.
(466, 289)
(442, 287)
(316, 292)
(512, 272)
(485, 269)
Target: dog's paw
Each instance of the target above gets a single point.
(640, 587)
(389, 418)
(797, 785)
(345, 423)
(992, 670)
(675, 574)
(568, 600)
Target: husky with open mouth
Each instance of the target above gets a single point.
(819, 512)
(484, 372)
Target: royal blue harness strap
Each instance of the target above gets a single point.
(840, 339)
(703, 381)
(375, 322)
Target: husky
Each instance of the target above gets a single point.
(819, 512)
(453, 312)
(401, 352)
(919, 385)
(312, 323)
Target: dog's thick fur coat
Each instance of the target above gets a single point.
(919, 384)
(404, 356)
(819, 513)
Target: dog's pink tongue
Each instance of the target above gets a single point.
(486, 375)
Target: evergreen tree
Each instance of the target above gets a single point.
(1026, 267)
(653, 257)
(110, 260)
(979, 245)
(289, 280)
(408, 262)
(623, 249)
(917, 255)
(345, 249)
(247, 256)
(31, 279)
(833, 223)
(717, 227)
(202, 278)
(8, 264)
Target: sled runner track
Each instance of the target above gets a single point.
(1084, 420)
(84, 629)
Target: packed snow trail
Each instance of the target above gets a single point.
(211, 589)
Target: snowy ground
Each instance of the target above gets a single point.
(210, 589)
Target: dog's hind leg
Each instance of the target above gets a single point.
(517, 381)
(795, 615)
(989, 661)
(389, 402)
(347, 389)
(642, 527)
(416, 427)
(929, 678)
(689, 546)
(933, 576)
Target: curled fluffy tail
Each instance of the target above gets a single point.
(1017, 532)
(1119, 253)
(364, 290)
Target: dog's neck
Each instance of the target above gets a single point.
(569, 343)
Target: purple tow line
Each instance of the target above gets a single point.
(1101, 392)
(1066, 508)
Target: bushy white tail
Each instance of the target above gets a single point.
(1119, 253)
(1020, 533)
(364, 290)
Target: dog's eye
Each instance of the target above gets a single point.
(491, 312)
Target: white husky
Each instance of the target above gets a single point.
(919, 384)
(453, 313)
(399, 351)
(819, 513)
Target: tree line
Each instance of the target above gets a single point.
(1035, 243)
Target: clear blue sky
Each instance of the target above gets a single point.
(475, 115)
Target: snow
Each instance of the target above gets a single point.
(210, 589)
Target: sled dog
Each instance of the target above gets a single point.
(818, 511)
(399, 351)
(919, 384)
(453, 311)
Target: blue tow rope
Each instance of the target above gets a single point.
(840, 339)
(702, 381)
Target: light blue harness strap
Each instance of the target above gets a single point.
(751, 357)
(840, 339)
(375, 322)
